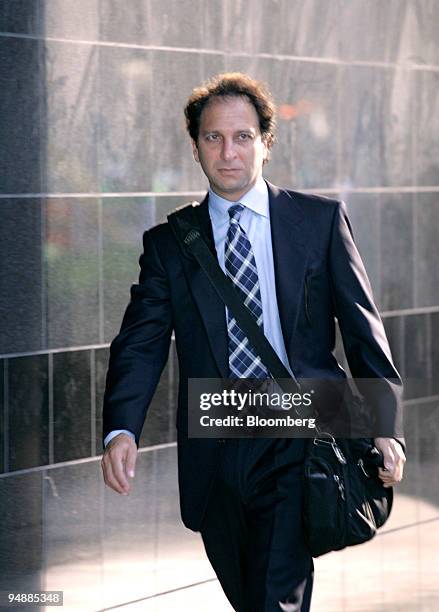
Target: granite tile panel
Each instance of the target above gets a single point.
(397, 251)
(376, 581)
(19, 16)
(21, 284)
(410, 486)
(417, 356)
(72, 262)
(101, 365)
(123, 222)
(116, 24)
(364, 215)
(71, 121)
(57, 19)
(421, 478)
(21, 533)
(424, 15)
(28, 388)
(426, 207)
(187, 23)
(168, 23)
(71, 20)
(71, 405)
(394, 328)
(125, 145)
(426, 127)
(287, 27)
(73, 534)
(22, 133)
(434, 330)
(3, 409)
(375, 126)
(428, 538)
(375, 31)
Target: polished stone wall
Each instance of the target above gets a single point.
(93, 151)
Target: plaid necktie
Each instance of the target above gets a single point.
(240, 266)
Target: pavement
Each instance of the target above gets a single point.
(397, 571)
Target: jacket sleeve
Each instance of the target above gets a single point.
(139, 352)
(364, 339)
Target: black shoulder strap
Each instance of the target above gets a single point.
(186, 227)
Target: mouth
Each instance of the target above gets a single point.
(228, 170)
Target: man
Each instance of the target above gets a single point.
(244, 496)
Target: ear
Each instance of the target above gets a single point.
(266, 155)
(195, 151)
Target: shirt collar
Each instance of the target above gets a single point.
(256, 199)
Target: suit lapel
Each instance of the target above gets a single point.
(210, 306)
(290, 258)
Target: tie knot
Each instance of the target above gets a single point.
(235, 212)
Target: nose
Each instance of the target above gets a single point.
(228, 149)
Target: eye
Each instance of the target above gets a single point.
(243, 136)
(212, 137)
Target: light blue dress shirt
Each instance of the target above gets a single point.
(255, 221)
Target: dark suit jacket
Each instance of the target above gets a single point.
(319, 276)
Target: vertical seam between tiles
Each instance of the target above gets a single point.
(101, 309)
(51, 412)
(6, 415)
(93, 402)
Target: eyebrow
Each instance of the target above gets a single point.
(204, 131)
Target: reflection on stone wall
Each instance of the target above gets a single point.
(93, 151)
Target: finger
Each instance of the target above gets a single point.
(384, 472)
(109, 477)
(389, 483)
(388, 479)
(115, 459)
(399, 471)
(130, 465)
(389, 459)
(118, 457)
(385, 475)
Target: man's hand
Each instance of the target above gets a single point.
(119, 462)
(394, 460)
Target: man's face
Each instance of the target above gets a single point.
(230, 148)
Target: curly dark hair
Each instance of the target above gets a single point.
(232, 84)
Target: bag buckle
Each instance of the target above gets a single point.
(331, 441)
(338, 453)
(360, 464)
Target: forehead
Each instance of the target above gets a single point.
(232, 112)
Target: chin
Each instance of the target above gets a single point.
(232, 185)
(228, 188)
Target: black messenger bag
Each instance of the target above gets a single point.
(345, 502)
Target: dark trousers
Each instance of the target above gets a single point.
(252, 529)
